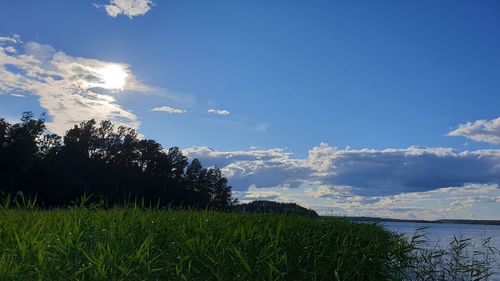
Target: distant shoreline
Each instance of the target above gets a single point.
(442, 221)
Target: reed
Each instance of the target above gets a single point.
(150, 243)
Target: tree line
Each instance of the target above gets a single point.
(265, 207)
(111, 163)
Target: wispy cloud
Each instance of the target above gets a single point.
(261, 127)
(168, 109)
(10, 39)
(71, 89)
(480, 130)
(129, 8)
(219, 111)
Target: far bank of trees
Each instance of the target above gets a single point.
(112, 163)
(271, 207)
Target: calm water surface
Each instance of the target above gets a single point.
(442, 234)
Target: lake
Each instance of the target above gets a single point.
(442, 234)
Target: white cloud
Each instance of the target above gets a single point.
(468, 201)
(480, 130)
(10, 39)
(261, 195)
(10, 49)
(71, 89)
(168, 109)
(326, 191)
(129, 8)
(365, 172)
(219, 111)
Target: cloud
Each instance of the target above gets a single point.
(364, 172)
(168, 109)
(468, 201)
(129, 8)
(219, 111)
(261, 127)
(326, 191)
(261, 195)
(10, 39)
(415, 182)
(71, 89)
(480, 130)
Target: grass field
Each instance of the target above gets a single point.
(133, 243)
(136, 244)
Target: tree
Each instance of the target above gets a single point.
(177, 162)
(4, 126)
(219, 191)
(112, 163)
(195, 181)
(263, 206)
(79, 140)
(20, 157)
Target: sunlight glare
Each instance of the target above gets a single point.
(113, 77)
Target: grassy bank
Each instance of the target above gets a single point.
(135, 244)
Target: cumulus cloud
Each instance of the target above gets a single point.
(168, 109)
(129, 8)
(415, 182)
(364, 172)
(480, 130)
(71, 89)
(219, 111)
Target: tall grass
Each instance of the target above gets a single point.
(460, 260)
(136, 243)
(151, 244)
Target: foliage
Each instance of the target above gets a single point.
(113, 164)
(263, 206)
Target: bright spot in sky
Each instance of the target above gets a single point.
(113, 77)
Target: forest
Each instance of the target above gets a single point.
(111, 165)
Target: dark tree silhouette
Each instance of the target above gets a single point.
(264, 206)
(112, 163)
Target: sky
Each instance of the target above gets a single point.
(357, 108)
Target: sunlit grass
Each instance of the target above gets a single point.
(148, 244)
(137, 243)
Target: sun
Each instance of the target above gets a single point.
(113, 77)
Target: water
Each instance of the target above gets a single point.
(441, 234)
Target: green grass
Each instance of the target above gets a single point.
(134, 243)
(148, 244)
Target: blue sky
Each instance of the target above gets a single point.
(317, 102)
